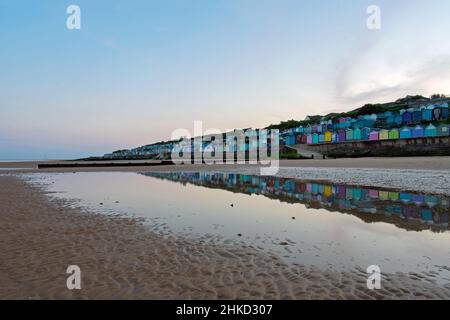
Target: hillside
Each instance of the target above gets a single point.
(364, 110)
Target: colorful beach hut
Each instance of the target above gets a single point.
(405, 133)
(334, 137)
(417, 132)
(341, 135)
(417, 116)
(365, 132)
(443, 130)
(349, 134)
(328, 136)
(430, 131)
(315, 138)
(407, 117)
(427, 113)
(309, 139)
(394, 134)
(384, 134)
(374, 136)
(321, 138)
(357, 134)
(303, 139)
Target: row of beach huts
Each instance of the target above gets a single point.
(429, 120)
(424, 121)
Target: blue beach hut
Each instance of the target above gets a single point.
(315, 138)
(407, 117)
(417, 132)
(357, 134)
(427, 113)
(321, 138)
(365, 132)
(405, 133)
(417, 116)
(430, 131)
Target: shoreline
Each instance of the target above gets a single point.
(120, 258)
(427, 175)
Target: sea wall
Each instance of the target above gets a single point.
(433, 146)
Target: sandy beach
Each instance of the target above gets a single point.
(121, 258)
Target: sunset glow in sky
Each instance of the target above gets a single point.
(137, 70)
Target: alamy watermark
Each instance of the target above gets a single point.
(74, 280)
(251, 146)
(374, 20)
(73, 21)
(374, 279)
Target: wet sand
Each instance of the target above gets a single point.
(120, 258)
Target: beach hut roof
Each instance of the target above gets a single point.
(406, 129)
(430, 126)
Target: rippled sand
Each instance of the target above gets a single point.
(120, 258)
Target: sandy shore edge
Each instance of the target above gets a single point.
(121, 259)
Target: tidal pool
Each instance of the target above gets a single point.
(326, 225)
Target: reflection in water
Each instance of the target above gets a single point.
(406, 210)
(300, 222)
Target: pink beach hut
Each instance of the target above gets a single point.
(374, 136)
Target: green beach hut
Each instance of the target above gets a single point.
(394, 134)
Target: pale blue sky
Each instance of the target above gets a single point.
(139, 69)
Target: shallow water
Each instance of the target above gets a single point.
(315, 224)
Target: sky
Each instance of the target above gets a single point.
(137, 70)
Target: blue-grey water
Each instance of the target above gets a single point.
(315, 224)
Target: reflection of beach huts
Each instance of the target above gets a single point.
(430, 131)
(384, 134)
(417, 132)
(394, 134)
(405, 133)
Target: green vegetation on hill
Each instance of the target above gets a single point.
(364, 110)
